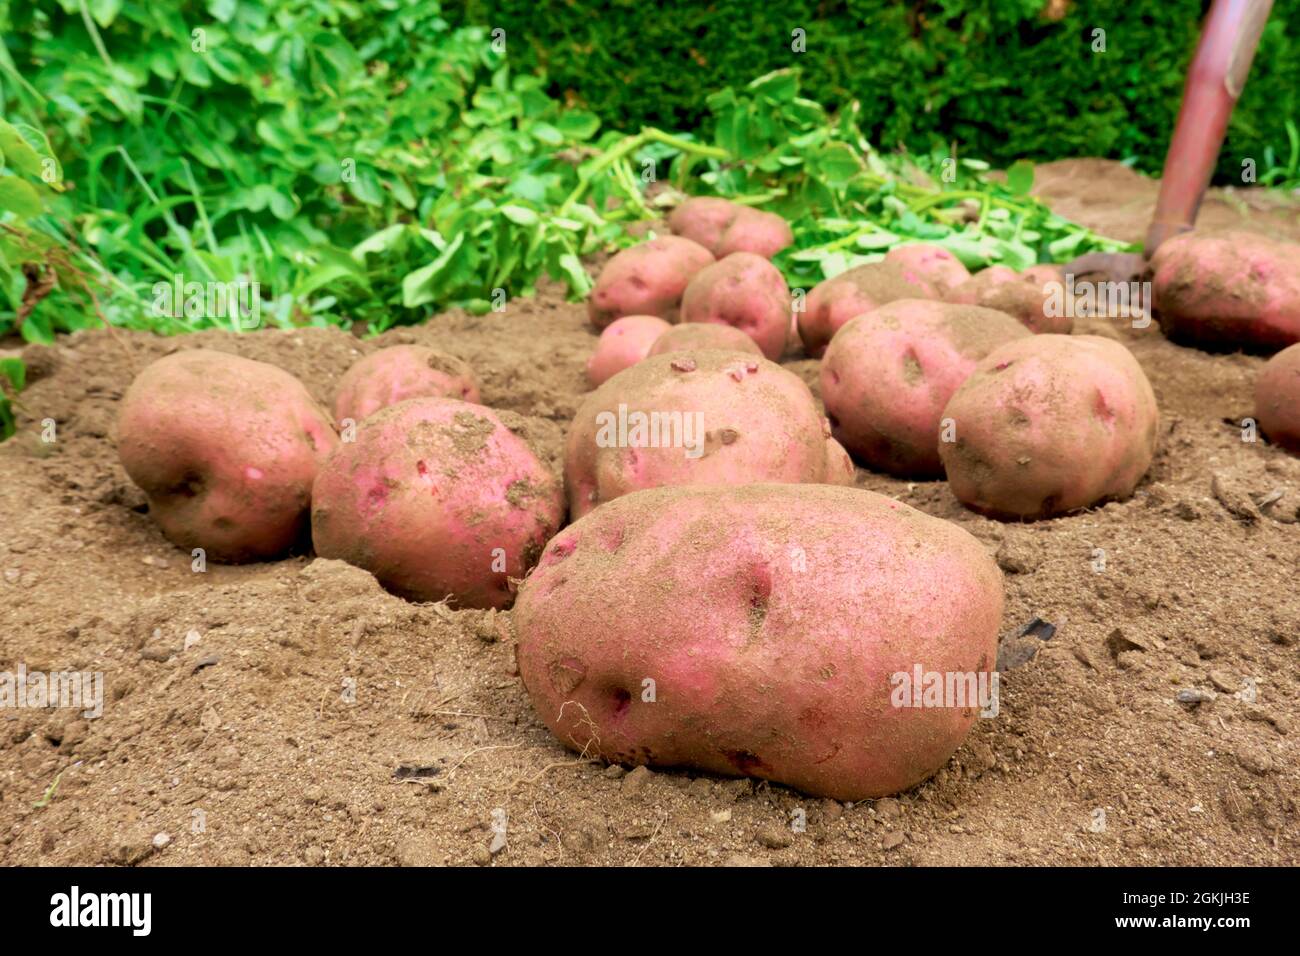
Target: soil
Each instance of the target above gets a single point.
(293, 712)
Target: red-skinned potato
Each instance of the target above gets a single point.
(704, 335)
(647, 279)
(840, 469)
(437, 499)
(399, 372)
(1277, 399)
(888, 374)
(703, 219)
(733, 630)
(833, 302)
(1026, 298)
(753, 231)
(225, 449)
(624, 342)
(933, 268)
(703, 417)
(1229, 290)
(1050, 424)
(724, 227)
(744, 291)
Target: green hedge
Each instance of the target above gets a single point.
(1000, 78)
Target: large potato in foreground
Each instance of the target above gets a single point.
(762, 630)
(704, 417)
(888, 374)
(1277, 399)
(399, 372)
(832, 303)
(647, 279)
(437, 499)
(1230, 290)
(225, 449)
(1050, 424)
(746, 292)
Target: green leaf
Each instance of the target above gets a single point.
(520, 215)
(18, 151)
(381, 241)
(105, 11)
(20, 197)
(417, 286)
(578, 124)
(1020, 177)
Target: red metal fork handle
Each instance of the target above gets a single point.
(1218, 73)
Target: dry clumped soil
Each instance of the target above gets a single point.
(293, 712)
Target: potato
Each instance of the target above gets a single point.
(840, 469)
(437, 499)
(399, 372)
(1277, 399)
(1050, 424)
(888, 374)
(744, 291)
(1020, 296)
(647, 279)
(933, 268)
(832, 303)
(1228, 291)
(624, 342)
(724, 227)
(706, 417)
(225, 449)
(753, 231)
(704, 335)
(768, 630)
(703, 219)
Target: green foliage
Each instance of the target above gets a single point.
(311, 145)
(13, 376)
(848, 204)
(359, 177)
(998, 79)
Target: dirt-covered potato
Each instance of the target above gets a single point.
(1228, 290)
(833, 302)
(779, 631)
(933, 268)
(437, 499)
(1050, 424)
(624, 342)
(1277, 399)
(1021, 296)
(744, 291)
(704, 335)
(399, 372)
(888, 374)
(703, 417)
(225, 449)
(647, 279)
